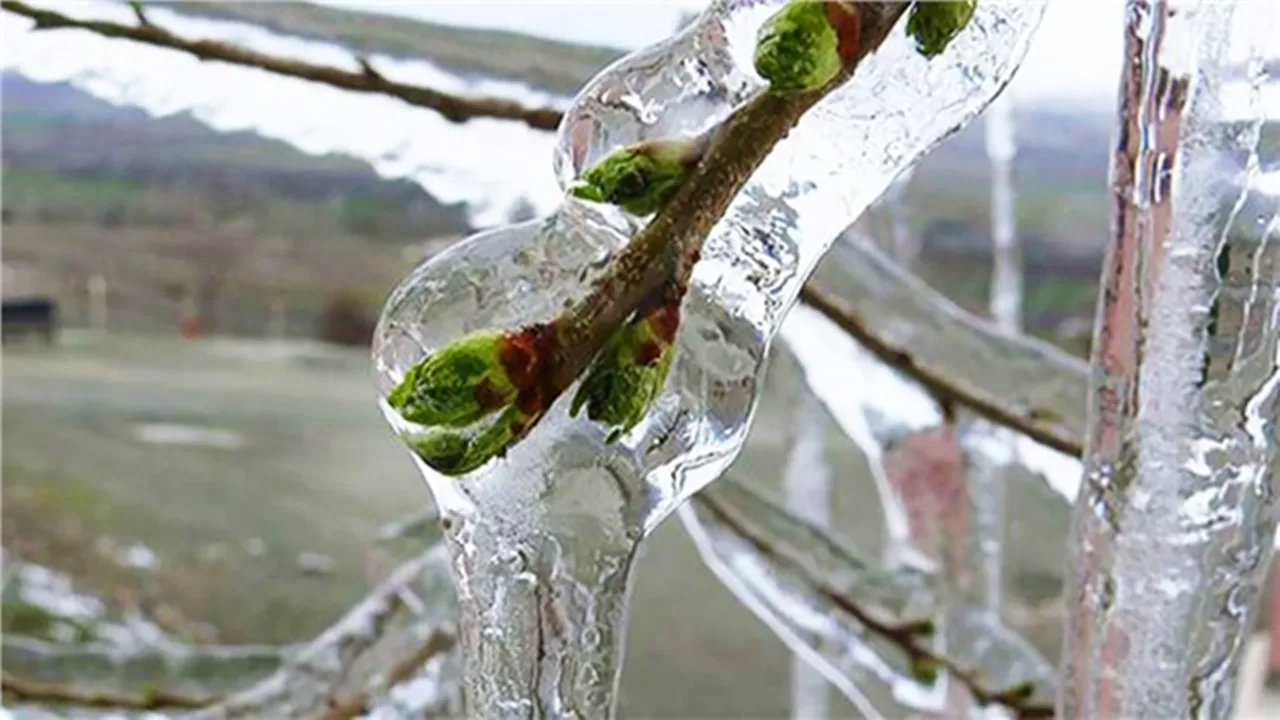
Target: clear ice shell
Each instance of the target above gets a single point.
(841, 156)
(543, 538)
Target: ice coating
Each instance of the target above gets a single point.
(881, 438)
(543, 537)
(808, 483)
(840, 158)
(396, 649)
(1175, 520)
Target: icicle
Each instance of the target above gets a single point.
(906, 245)
(1175, 521)
(807, 480)
(991, 450)
(544, 528)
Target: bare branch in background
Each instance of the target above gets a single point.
(384, 640)
(962, 360)
(452, 107)
(108, 670)
(946, 375)
(17, 690)
(911, 637)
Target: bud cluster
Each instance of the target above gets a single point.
(479, 395)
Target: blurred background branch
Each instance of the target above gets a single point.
(453, 107)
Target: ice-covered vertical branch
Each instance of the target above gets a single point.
(989, 459)
(807, 479)
(1175, 519)
(1006, 276)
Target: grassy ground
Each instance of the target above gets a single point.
(318, 472)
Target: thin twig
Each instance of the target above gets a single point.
(452, 107)
(19, 690)
(907, 637)
(666, 249)
(436, 643)
(943, 388)
(458, 108)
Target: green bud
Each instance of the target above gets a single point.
(922, 628)
(797, 49)
(1020, 692)
(641, 177)
(628, 374)
(924, 670)
(458, 452)
(935, 24)
(458, 385)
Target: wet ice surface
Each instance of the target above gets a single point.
(1175, 519)
(807, 482)
(543, 537)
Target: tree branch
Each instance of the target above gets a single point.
(962, 360)
(453, 107)
(1051, 425)
(908, 637)
(436, 643)
(108, 670)
(339, 672)
(17, 690)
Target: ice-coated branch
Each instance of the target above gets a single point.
(865, 595)
(18, 690)
(406, 622)
(1018, 382)
(455, 108)
(806, 50)
(178, 675)
(402, 630)
(1059, 425)
(1175, 520)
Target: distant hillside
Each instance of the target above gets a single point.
(59, 140)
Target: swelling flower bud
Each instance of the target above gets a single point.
(458, 452)
(629, 372)
(463, 382)
(1021, 692)
(924, 670)
(797, 48)
(641, 177)
(935, 24)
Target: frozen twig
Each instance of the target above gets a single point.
(517, 375)
(180, 670)
(17, 690)
(910, 637)
(455, 108)
(339, 672)
(965, 361)
(1058, 426)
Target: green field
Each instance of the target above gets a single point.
(317, 472)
